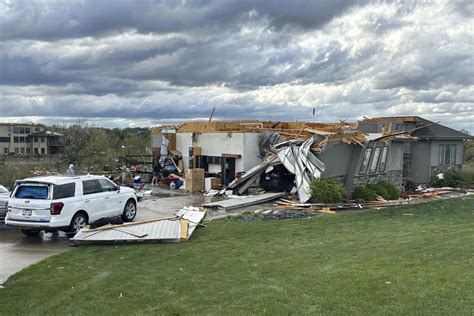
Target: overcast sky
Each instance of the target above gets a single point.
(141, 63)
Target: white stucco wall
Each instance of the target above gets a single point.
(216, 144)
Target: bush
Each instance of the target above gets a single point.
(370, 192)
(393, 191)
(364, 193)
(379, 190)
(327, 190)
(455, 179)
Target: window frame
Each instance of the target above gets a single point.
(364, 166)
(56, 187)
(114, 186)
(374, 162)
(383, 160)
(97, 185)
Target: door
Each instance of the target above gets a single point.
(94, 200)
(31, 203)
(112, 197)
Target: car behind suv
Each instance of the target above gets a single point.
(3, 201)
(67, 203)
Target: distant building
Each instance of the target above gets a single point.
(29, 139)
(438, 148)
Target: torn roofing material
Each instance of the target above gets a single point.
(173, 229)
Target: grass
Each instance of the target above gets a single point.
(404, 260)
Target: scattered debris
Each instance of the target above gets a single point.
(243, 201)
(172, 229)
(268, 215)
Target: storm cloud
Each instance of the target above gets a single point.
(149, 62)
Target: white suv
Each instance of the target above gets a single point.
(67, 203)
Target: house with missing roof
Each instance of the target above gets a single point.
(435, 149)
(393, 149)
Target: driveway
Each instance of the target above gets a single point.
(18, 251)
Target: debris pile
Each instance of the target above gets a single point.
(299, 152)
(171, 229)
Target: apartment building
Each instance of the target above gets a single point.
(29, 139)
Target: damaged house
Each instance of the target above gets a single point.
(437, 147)
(293, 153)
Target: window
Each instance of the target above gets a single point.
(43, 151)
(64, 191)
(42, 139)
(365, 162)
(4, 139)
(447, 154)
(27, 130)
(5, 150)
(36, 151)
(36, 192)
(107, 186)
(22, 150)
(28, 150)
(16, 139)
(383, 159)
(90, 187)
(375, 160)
(37, 129)
(22, 139)
(17, 150)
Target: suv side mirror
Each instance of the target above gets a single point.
(117, 188)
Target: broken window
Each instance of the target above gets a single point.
(383, 159)
(365, 162)
(375, 160)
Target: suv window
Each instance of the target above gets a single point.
(64, 191)
(36, 192)
(90, 187)
(106, 185)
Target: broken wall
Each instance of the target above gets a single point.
(216, 144)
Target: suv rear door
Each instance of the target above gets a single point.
(30, 202)
(94, 199)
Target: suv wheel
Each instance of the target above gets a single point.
(30, 233)
(78, 222)
(130, 211)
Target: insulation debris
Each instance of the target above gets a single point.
(172, 229)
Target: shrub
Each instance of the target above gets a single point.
(370, 192)
(393, 191)
(364, 193)
(327, 190)
(455, 179)
(379, 190)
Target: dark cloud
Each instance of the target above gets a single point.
(53, 20)
(157, 61)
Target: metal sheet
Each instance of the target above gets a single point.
(244, 201)
(159, 230)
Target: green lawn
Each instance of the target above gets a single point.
(404, 260)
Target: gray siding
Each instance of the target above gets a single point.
(420, 164)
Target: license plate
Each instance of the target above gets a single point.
(26, 213)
